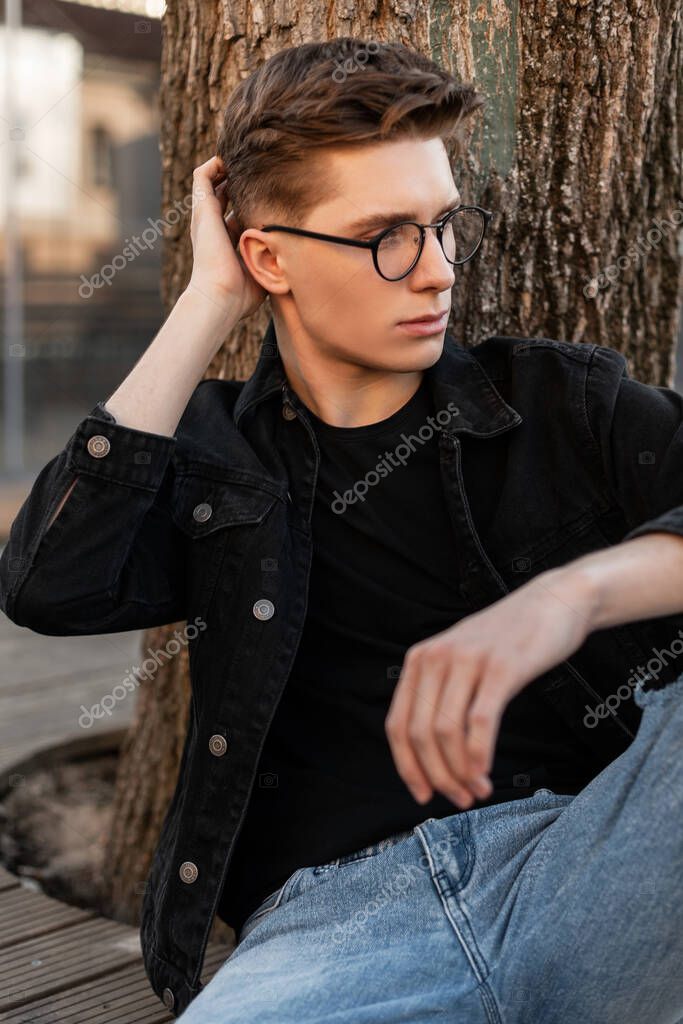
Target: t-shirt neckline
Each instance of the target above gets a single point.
(370, 429)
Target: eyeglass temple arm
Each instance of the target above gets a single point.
(317, 234)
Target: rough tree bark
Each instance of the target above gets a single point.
(579, 154)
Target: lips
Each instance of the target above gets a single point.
(427, 318)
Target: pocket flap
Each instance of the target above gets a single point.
(201, 506)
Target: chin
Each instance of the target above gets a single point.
(407, 357)
(410, 362)
(420, 353)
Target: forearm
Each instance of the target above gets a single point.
(157, 390)
(641, 578)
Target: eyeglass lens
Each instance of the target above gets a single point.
(462, 234)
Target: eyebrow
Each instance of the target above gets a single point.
(380, 220)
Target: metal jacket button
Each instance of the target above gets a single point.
(168, 998)
(188, 871)
(263, 608)
(98, 446)
(288, 411)
(218, 745)
(202, 512)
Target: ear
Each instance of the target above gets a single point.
(264, 258)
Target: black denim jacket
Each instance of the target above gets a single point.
(550, 450)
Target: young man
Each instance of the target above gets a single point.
(423, 778)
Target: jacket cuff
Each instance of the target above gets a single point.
(668, 522)
(102, 447)
(170, 985)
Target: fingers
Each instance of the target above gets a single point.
(410, 727)
(234, 229)
(463, 729)
(420, 741)
(483, 724)
(209, 184)
(451, 721)
(205, 177)
(212, 170)
(221, 192)
(427, 736)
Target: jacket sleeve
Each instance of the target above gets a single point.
(638, 430)
(113, 559)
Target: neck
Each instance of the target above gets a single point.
(340, 392)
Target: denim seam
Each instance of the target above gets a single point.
(345, 860)
(283, 892)
(265, 905)
(487, 996)
(561, 347)
(290, 887)
(172, 967)
(587, 380)
(111, 476)
(468, 847)
(372, 850)
(477, 962)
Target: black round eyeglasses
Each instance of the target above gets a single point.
(396, 249)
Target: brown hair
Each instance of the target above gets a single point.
(343, 92)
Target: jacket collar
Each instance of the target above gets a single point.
(456, 377)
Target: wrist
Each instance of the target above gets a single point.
(213, 303)
(579, 588)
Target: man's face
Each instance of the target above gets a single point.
(328, 297)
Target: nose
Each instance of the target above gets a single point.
(432, 268)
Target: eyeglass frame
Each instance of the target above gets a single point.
(374, 242)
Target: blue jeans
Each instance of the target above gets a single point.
(551, 909)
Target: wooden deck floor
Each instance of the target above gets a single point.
(63, 965)
(60, 964)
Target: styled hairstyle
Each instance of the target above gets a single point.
(345, 92)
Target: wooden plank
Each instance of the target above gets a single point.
(62, 964)
(34, 720)
(34, 658)
(123, 996)
(26, 915)
(8, 880)
(45, 680)
(58, 961)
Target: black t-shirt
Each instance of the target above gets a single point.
(384, 575)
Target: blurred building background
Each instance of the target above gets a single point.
(80, 224)
(80, 218)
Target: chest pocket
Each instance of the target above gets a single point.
(201, 506)
(219, 517)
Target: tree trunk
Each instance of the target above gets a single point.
(579, 154)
